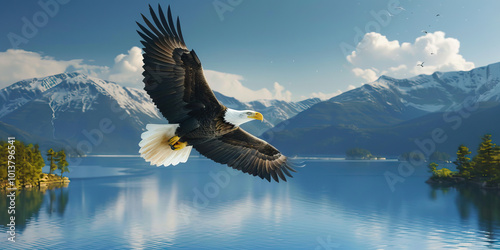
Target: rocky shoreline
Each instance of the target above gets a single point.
(46, 181)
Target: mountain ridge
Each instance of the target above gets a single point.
(370, 114)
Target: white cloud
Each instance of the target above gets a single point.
(369, 75)
(375, 55)
(16, 65)
(127, 69)
(230, 85)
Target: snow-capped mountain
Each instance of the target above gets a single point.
(74, 92)
(94, 116)
(430, 93)
(389, 114)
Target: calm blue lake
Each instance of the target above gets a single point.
(123, 203)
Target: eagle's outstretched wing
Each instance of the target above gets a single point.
(174, 79)
(172, 74)
(247, 153)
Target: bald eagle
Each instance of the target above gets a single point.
(174, 80)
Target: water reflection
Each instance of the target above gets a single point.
(206, 205)
(473, 202)
(29, 204)
(58, 200)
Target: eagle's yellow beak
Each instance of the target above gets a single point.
(256, 116)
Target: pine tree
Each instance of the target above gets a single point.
(30, 175)
(38, 159)
(485, 158)
(464, 164)
(432, 168)
(22, 171)
(3, 161)
(37, 162)
(497, 160)
(62, 164)
(51, 155)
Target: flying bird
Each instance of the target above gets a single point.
(421, 64)
(174, 79)
(425, 31)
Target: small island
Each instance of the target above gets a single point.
(482, 170)
(21, 166)
(360, 154)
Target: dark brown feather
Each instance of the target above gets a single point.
(172, 74)
(259, 158)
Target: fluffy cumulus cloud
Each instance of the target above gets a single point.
(127, 69)
(16, 65)
(230, 85)
(375, 55)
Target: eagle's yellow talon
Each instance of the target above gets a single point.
(179, 145)
(172, 141)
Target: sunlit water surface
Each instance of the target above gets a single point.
(121, 202)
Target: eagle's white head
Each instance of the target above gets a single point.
(238, 117)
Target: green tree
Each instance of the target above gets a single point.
(463, 162)
(38, 159)
(497, 159)
(28, 162)
(37, 162)
(432, 167)
(51, 155)
(62, 164)
(439, 173)
(486, 159)
(444, 173)
(3, 161)
(22, 168)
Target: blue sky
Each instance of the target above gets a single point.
(258, 43)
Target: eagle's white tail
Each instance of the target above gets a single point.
(155, 148)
